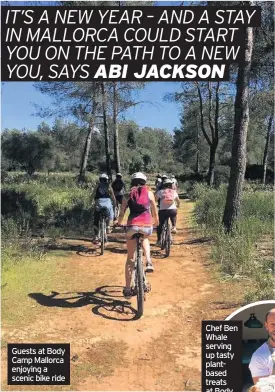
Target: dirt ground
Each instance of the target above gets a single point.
(110, 350)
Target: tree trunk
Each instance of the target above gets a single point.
(238, 163)
(87, 146)
(30, 169)
(116, 140)
(197, 169)
(85, 155)
(214, 127)
(266, 148)
(106, 132)
(201, 115)
(212, 162)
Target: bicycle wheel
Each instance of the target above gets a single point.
(163, 235)
(102, 234)
(168, 240)
(139, 283)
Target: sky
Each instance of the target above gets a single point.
(17, 98)
(18, 110)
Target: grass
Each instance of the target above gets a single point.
(23, 278)
(51, 205)
(236, 253)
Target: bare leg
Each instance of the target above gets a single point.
(130, 264)
(146, 249)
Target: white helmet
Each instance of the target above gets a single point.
(167, 181)
(103, 176)
(164, 176)
(139, 176)
(159, 180)
(119, 175)
(172, 176)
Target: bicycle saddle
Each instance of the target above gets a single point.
(138, 235)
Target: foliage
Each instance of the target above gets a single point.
(148, 149)
(28, 149)
(48, 201)
(235, 252)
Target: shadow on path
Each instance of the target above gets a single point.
(108, 302)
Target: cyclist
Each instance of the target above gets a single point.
(104, 198)
(163, 178)
(118, 188)
(141, 203)
(169, 202)
(158, 184)
(175, 182)
(158, 180)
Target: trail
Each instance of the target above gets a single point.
(110, 351)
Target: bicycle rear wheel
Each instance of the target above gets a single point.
(139, 284)
(163, 235)
(168, 240)
(102, 235)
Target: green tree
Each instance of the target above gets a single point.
(28, 149)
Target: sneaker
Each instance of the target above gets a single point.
(109, 230)
(128, 292)
(174, 230)
(149, 267)
(158, 243)
(147, 287)
(96, 240)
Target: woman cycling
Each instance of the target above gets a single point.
(143, 212)
(103, 197)
(169, 202)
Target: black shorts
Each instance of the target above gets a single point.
(119, 198)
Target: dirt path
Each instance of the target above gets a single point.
(110, 351)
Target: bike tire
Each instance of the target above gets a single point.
(168, 241)
(139, 285)
(163, 235)
(102, 239)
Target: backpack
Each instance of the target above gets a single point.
(139, 201)
(103, 190)
(168, 196)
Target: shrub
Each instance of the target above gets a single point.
(236, 252)
(47, 201)
(221, 175)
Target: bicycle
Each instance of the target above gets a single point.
(166, 237)
(102, 232)
(139, 284)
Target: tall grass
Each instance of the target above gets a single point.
(47, 205)
(17, 246)
(237, 253)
